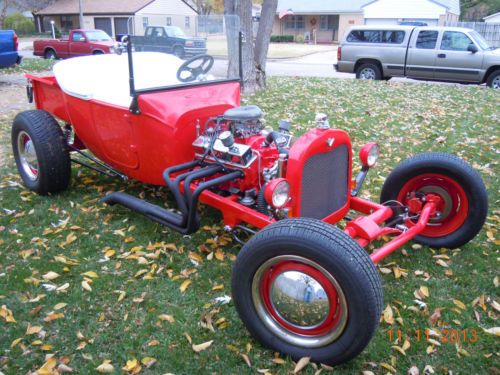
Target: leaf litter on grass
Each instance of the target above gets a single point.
(134, 291)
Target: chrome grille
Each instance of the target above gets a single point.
(325, 183)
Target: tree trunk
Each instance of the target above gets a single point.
(267, 17)
(244, 10)
(254, 55)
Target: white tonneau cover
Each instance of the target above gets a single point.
(105, 77)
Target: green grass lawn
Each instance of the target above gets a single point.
(89, 283)
(30, 65)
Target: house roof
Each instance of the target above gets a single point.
(95, 6)
(491, 16)
(321, 6)
(452, 5)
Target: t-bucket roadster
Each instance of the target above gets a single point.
(301, 285)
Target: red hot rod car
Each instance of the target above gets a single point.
(301, 285)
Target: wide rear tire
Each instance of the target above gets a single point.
(41, 153)
(306, 289)
(464, 206)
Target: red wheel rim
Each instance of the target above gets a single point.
(299, 301)
(453, 204)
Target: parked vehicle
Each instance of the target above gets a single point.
(428, 53)
(170, 39)
(8, 49)
(301, 285)
(80, 43)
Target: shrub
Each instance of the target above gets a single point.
(20, 24)
(299, 39)
(282, 38)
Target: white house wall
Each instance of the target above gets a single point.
(398, 9)
(395, 21)
(494, 19)
(167, 7)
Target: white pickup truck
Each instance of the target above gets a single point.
(429, 53)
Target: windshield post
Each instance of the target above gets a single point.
(240, 56)
(134, 106)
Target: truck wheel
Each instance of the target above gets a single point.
(179, 52)
(40, 152)
(50, 54)
(494, 80)
(368, 71)
(305, 288)
(463, 203)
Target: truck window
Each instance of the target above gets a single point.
(77, 37)
(455, 41)
(427, 39)
(376, 36)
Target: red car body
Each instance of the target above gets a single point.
(73, 46)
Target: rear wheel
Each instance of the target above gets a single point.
(50, 54)
(494, 80)
(368, 71)
(462, 200)
(304, 288)
(40, 152)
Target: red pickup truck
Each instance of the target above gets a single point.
(80, 43)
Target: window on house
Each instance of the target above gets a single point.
(145, 22)
(427, 39)
(295, 22)
(66, 23)
(187, 22)
(326, 22)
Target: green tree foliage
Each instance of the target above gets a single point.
(475, 10)
(19, 23)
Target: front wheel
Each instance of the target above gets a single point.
(462, 200)
(41, 152)
(494, 80)
(306, 289)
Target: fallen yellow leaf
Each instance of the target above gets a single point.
(184, 285)
(50, 275)
(105, 367)
(200, 347)
(303, 362)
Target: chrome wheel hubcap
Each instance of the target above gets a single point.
(496, 83)
(299, 301)
(27, 155)
(367, 73)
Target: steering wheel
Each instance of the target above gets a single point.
(195, 66)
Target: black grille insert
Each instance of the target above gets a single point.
(325, 183)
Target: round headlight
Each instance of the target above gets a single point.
(369, 154)
(277, 192)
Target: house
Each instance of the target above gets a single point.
(117, 17)
(432, 12)
(322, 20)
(492, 18)
(327, 20)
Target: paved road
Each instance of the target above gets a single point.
(318, 64)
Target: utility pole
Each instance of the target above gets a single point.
(81, 14)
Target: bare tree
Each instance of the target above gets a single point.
(266, 22)
(254, 53)
(4, 7)
(32, 6)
